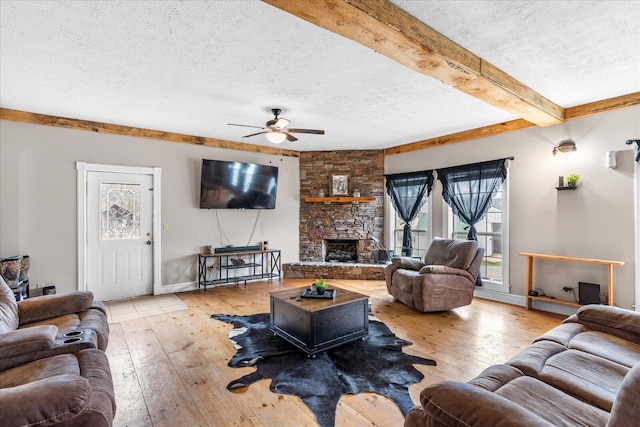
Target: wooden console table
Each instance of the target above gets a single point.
(256, 265)
(531, 257)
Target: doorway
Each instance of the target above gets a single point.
(118, 230)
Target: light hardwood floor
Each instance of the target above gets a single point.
(171, 369)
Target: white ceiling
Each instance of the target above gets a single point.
(191, 67)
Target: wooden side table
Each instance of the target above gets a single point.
(532, 256)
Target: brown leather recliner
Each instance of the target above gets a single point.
(70, 390)
(445, 280)
(44, 326)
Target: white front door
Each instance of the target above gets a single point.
(119, 215)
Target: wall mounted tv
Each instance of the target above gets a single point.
(234, 185)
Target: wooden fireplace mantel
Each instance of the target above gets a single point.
(339, 199)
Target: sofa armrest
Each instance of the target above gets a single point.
(99, 305)
(59, 398)
(458, 404)
(408, 263)
(443, 269)
(625, 410)
(45, 307)
(611, 320)
(27, 340)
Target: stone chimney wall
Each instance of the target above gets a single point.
(319, 221)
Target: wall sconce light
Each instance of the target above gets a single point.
(566, 146)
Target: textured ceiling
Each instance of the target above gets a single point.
(192, 67)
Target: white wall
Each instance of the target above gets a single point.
(38, 199)
(595, 221)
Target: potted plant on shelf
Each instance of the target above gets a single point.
(321, 286)
(572, 180)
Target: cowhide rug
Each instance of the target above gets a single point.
(375, 364)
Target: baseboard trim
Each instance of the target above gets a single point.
(178, 287)
(193, 286)
(500, 297)
(521, 301)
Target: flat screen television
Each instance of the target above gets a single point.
(235, 185)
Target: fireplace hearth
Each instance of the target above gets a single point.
(341, 250)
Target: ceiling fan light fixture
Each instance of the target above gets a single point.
(566, 146)
(276, 137)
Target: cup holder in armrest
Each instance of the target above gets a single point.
(78, 339)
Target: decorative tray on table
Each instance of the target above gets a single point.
(328, 294)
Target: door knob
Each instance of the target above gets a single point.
(148, 242)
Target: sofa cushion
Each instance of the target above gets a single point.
(458, 404)
(67, 389)
(608, 347)
(57, 399)
(451, 252)
(551, 404)
(590, 378)
(9, 320)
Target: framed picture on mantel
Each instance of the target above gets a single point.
(340, 184)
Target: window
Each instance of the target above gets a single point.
(492, 236)
(420, 232)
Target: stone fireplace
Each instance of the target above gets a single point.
(335, 231)
(340, 250)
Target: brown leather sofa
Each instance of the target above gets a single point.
(584, 372)
(48, 325)
(53, 369)
(70, 390)
(443, 281)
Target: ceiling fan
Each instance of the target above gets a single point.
(276, 129)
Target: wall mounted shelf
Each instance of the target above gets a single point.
(566, 188)
(339, 199)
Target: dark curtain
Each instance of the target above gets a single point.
(468, 189)
(408, 193)
(637, 141)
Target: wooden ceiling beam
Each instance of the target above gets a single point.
(383, 27)
(624, 101)
(86, 125)
(578, 111)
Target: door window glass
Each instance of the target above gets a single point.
(120, 211)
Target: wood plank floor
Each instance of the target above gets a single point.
(171, 369)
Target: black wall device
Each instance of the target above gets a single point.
(588, 293)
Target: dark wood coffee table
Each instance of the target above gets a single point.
(313, 324)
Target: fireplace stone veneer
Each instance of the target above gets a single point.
(361, 222)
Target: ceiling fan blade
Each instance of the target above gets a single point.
(254, 134)
(281, 124)
(314, 131)
(245, 126)
(291, 137)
